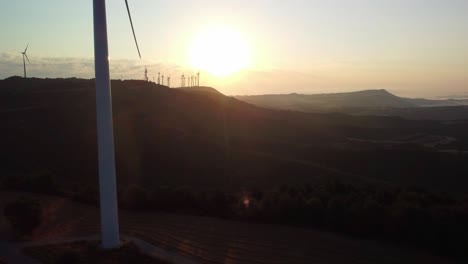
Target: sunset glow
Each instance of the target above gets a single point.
(220, 51)
(412, 48)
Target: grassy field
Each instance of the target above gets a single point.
(210, 240)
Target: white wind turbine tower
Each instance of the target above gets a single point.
(25, 56)
(105, 134)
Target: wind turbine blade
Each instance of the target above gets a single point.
(27, 57)
(133, 30)
(26, 48)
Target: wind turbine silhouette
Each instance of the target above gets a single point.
(25, 56)
(146, 74)
(105, 135)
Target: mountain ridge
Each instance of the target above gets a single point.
(366, 102)
(378, 98)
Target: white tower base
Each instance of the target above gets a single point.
(105, 134)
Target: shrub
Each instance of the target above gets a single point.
(336, 213)
(135, 197)
(68, 258)
(38, 183)
(315, 210)
(161, 198)
(43, 183)
(219, 204)
(24, 215)
(87, 194)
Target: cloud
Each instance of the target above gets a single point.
(11, 64)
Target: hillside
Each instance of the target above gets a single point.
(207, 140)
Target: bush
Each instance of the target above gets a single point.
(87, 194)
(24, 215)
(135, 197)
(42, 182)
(68, 258)
(315, 211)
(219, 204)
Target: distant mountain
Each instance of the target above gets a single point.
(421, 102)
(368, 99)
(305, 102)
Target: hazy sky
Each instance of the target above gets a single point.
(410, 47)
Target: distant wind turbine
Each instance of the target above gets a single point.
(105, 134)
(146, 74)
(25, 56)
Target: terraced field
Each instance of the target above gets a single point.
(210, 240)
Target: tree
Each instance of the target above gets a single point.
(24, 215)
(135, 197)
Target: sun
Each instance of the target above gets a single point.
(220, 51)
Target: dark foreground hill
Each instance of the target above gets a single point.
(368, 102)
(209, 141)
(210, 240)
